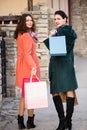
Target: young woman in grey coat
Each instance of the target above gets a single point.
(62, 73)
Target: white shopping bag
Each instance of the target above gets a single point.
(36, 95)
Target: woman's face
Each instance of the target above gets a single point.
(29, 22)
(59, 21)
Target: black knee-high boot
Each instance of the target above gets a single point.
(30, 122)
(21, 122)
(60, 110)
(69, 111)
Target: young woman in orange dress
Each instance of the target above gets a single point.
(27, 63)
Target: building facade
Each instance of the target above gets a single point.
(43, 11)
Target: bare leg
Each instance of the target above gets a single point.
(30, 112)
(21, 106)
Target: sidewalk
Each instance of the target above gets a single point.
(46, 118)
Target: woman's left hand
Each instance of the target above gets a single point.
(52, 32)
(33, 71)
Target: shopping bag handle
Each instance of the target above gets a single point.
(36, 78)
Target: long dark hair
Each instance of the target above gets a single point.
(21, 26)
(62, 14)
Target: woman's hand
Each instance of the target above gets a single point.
(33, 71)
(52, 32)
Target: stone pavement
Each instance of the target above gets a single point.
(46, 118)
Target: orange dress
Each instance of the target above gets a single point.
(26, 58)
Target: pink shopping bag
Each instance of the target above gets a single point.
(25, 80)
(35, 95)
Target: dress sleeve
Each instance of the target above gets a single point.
(27, 49)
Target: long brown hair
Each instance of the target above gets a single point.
(21, 26)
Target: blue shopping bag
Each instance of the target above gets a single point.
(57, 46)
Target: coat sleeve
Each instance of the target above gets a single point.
(70, 35)
(27, 49)
(46, 42)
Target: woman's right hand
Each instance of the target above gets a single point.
(33, 71)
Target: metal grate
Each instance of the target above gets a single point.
(3, 64)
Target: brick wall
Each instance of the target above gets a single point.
(79, 22)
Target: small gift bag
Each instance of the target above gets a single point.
(35, 94)
(57, 46)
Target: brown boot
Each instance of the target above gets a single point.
(21, 122)
(30, 122)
